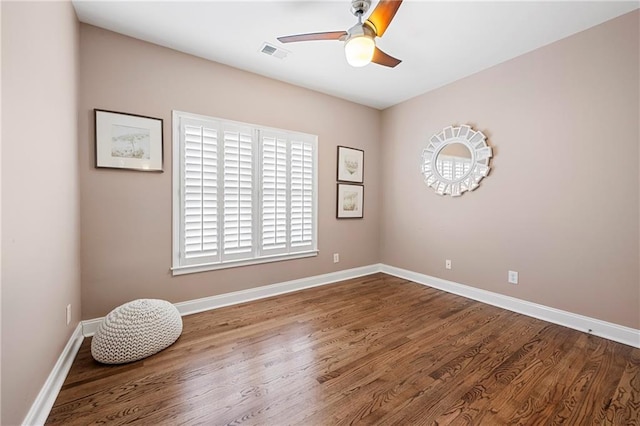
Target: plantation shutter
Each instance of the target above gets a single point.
(200, 201)
(452, 167)
(445, 167)
(302, 194)
(274, 193)
(238, 192)
(243, 194)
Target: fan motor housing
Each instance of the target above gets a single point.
(360, 7)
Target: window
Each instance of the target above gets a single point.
(452, 167)
(243, 194)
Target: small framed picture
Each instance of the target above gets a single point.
(350, 164)
(128, 141)
(350, 201)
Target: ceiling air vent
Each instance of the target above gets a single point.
(271, 50)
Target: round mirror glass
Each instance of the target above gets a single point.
(454, 161)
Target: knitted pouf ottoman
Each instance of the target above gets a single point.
(136, 330)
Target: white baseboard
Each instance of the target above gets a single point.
(615, 332)
(89, 327)
(41, 407)
(207, 303)
(227, 299)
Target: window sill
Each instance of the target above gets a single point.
(203, 267)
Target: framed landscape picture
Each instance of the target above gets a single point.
(128, 141)
(350, 164)
(350, 201)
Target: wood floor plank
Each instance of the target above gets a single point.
(519, 368)
(373, 350)
(451, 379)
(625, 403)
(578, 405)
(501, 407)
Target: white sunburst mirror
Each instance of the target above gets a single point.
(456, 160)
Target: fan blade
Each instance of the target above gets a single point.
(382, 15)
(331, 35)
(381, 58)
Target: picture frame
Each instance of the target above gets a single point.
(350, 165)
(128, 141)
(350, 201)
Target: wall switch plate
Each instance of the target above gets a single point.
(447, 263)
(69, 314)
(336, 257)
(513, 277)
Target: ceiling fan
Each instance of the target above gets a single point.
(359, 41)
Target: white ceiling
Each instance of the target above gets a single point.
(438, 41)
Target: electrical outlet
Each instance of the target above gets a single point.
(336, 257)
(513, 277)
(69, 314)
(447, 263)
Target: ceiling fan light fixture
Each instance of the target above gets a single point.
(359, 41)
(359, 50)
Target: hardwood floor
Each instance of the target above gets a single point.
(372, 350)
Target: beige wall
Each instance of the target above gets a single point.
(40, 196)
(561, 203)
(126, 215)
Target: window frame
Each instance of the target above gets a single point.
(258, 254)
